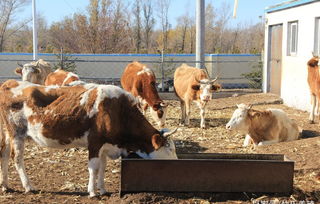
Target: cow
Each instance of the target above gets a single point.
(263, 127)
(34, 72)
(193, 84)
(140, 81)
(60, 77)
(103, 118)
(314, 85)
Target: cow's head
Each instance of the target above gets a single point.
(159, 113)
(239, 119)
(314, 61)
(164, 147)
(206, 87)
(29, 72)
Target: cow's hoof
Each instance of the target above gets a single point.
(93, 195)
(29, 189)
(311, 121)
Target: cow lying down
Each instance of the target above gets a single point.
(102, 118)
(263, 127)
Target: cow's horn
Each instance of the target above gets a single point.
(167, 134)
(212, 81)
(37, 64)
(19, 64)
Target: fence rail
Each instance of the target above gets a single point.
(104, 68)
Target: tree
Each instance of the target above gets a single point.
(8, 9)
(137, 25)
(148, 23)
(163, 9)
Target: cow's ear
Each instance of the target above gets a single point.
(215, 87)
(155, 107)
(195, 87)
(254, 114)
(18, 71)
(37, 70)
(157, 141)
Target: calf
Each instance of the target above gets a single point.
(193, 84)
(103, 118)
(314, 85)
(140, 81)
(263, 127)
(60, 78)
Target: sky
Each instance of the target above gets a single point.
(248, 11)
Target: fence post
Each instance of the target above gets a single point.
(162, 70)
(61, 57)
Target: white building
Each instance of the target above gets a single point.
(292, 33)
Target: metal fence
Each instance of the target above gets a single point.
(107, 68)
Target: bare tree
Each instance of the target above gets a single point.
(137, 25)
(8, 9)
(148, 23)
(163, 9)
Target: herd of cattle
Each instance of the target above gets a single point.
(57, 109)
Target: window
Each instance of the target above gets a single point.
(292, 38)
(317, 37)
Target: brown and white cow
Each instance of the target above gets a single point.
(314, 85)
(40, 73)
(193, 84)
(103, 118)
(140, 81)
(34, 72)
(263, 127)
(60, 78)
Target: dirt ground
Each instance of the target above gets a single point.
(61, 176)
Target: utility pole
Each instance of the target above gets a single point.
(200, 31)
(34, 24)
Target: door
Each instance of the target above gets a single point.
(275, 58)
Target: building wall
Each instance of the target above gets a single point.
(294, 86)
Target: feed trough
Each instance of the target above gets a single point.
(209, 172)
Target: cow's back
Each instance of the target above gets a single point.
(186, 76)
(129, 75)
(289, 130)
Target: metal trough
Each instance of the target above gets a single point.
(208, 172)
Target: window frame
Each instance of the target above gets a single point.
(292, 38)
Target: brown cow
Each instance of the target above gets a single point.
(103, 118)
(140, 81)
(193, 84)
(60, 78)
(263, 127)
(314, 84)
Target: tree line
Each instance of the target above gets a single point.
(114, 26)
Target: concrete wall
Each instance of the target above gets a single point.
(294, 86)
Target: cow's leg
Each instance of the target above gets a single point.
(313, 105)
(183, 112)
(18, 150)
(202, 114)
(93, 165)
(187, 107)
(101, 173)
(247, 141)
(4, 160)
